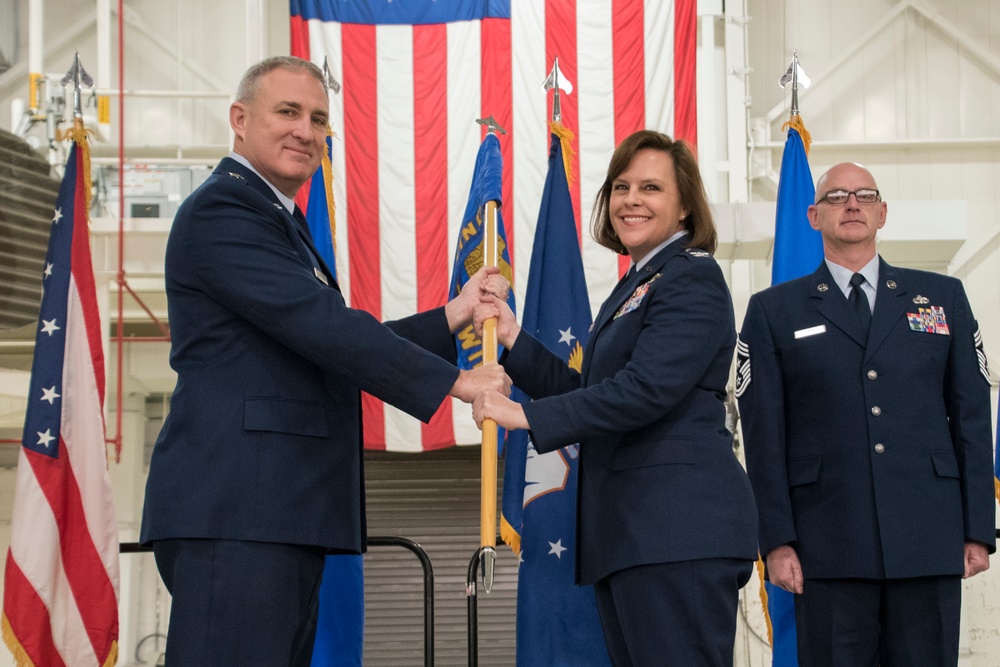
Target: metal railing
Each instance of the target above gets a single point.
(375, 541)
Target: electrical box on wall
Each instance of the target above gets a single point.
(150, 191)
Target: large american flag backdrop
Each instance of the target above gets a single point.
(416, 75)
(60, 603)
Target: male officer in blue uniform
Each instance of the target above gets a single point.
(257, 473)
(865, 405)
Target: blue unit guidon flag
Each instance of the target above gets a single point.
(471, 246)
(413, 78)
(60, 603)
(557, 622)
(798, 250)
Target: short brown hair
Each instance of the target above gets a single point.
(250, 82)
(699, 221)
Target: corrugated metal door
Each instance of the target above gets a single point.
(431, 498)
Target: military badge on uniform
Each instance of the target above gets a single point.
(921, 300)
(929, 320)
(742, 367)
(636, 298)
(694, 252)
(981, 355)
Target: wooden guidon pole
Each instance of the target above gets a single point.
(488, 489)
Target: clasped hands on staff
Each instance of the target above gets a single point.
(485, 284)
(492, 404)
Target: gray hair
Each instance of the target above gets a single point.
(250, 82)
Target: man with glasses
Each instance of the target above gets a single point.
(865, 405)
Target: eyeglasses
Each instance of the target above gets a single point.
(840, 197)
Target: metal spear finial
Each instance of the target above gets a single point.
(797, 77)
(331, 83)
(492, 126)
(556, 81)
(77, 76)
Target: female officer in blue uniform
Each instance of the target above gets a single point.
(666, 523)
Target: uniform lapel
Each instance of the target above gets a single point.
(312, 256)
(622, 291)
(833, 305)
(889, 305)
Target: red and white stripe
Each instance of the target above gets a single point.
(61, 577)
(407, 141)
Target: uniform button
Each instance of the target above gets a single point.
(876, 411)
(872, 375)
(879, 448)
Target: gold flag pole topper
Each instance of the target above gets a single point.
(488, 486)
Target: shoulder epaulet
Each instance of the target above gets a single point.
(697, 252)
(235, 175)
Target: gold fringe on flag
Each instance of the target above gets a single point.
(510, 536)
(331, 206)
(566, 140)
(21, 658)
(81, 136)
(112, 656)
(795, 122)
(763, 596)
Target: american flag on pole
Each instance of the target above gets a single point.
(60, 602)
(416, 75)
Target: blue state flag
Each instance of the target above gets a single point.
(798, 251)
(340, 626)
(470, 250)
(557, 621)
(320, 211)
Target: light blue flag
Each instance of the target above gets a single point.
(340, 627)
(798, 251)
(557, 622)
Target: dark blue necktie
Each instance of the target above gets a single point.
(301, 219)
(859, 300)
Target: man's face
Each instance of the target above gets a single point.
(282, 130)
(851, 223)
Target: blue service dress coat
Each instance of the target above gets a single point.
(870, 455)
(264, 438)
(658, 480)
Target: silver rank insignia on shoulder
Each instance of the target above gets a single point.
(695, 252)
(891, 284)
(981, 356)
(742, 367)
(235, 175)
(321, 276)
(822, 287)
(921, 300)
(278, 206)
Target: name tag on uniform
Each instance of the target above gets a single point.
(321, 276)
(811, 331)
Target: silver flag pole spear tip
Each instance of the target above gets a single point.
(487, 561)
(555, 81)
(795, 76)
(331, 83)
(78, 77)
